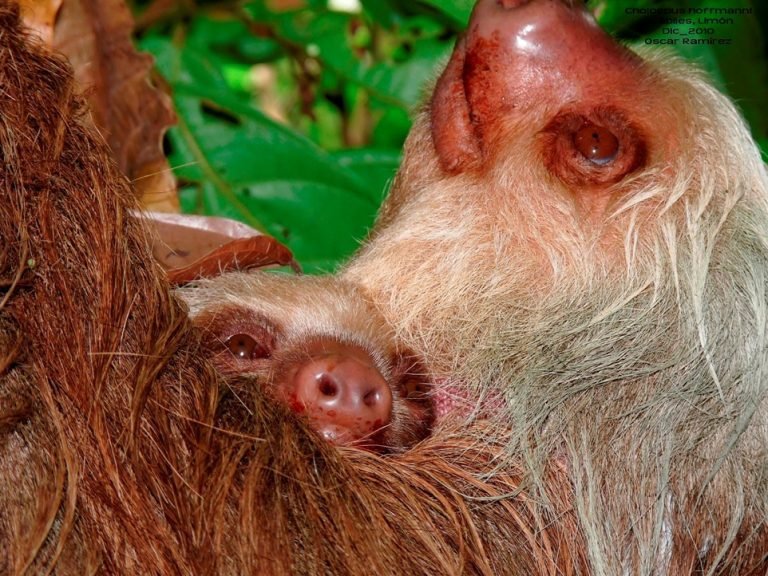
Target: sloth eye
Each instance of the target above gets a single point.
(597, 144)
(413, 389)
(592, 149)
(245, 347)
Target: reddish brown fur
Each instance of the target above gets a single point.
(121, 452)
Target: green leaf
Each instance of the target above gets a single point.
(458, 10)
(325, 36)
(322, 225)
(382, 12)
(236, 162)
(376, 167)
(231, 40)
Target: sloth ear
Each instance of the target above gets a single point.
(193, 247)
(413, 383)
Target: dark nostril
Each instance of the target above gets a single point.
(327, 385)
(372, 397)
(342, 393)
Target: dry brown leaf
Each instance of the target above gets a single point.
(131, 114)
(40, 16)
(191, 247)
(285, 5)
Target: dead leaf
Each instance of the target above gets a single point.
(132, 114)
(191, 247)
(285, 5)
(40, 17)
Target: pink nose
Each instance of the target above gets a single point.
(343, 394)
(517, 58)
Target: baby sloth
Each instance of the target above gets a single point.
(318, 347)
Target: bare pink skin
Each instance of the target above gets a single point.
(341, 392)
(519, 58)
(533, 82)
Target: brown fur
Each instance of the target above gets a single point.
(122, 452)
(625, 339)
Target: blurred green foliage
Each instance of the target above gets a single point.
(292, 114)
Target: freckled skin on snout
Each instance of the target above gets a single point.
(342, 392)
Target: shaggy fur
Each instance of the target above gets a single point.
(625, 329)
(121, 450)
(627, 346)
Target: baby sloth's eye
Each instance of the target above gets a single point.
(245, 347)
(415, 389)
